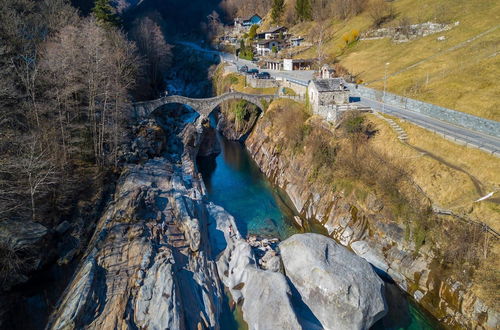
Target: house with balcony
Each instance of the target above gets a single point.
(265, 47)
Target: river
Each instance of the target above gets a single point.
(234, 181)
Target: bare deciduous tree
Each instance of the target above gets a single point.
(151, 43)
(37, 170)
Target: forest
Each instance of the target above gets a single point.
(67, 81)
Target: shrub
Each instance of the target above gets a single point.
(233, 80)
(322, 153)
(12, 263)
(354, 124)
(290, 120)
(380, 11)
(240, 111)
(350, 37)
(341, 71)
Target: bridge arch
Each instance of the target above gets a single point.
(204, 106)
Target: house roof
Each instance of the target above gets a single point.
(275, 29)
(254, 15)
(299, 60)
(329, 85)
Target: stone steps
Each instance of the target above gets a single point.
(401, 133)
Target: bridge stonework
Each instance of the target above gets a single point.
(204, 106)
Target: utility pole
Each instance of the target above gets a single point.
(385, 86)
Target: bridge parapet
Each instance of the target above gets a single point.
(204, 106)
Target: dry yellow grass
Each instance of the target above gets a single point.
(447, 187)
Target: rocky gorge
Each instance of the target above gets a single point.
(162, 253)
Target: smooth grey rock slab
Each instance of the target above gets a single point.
(340, 288)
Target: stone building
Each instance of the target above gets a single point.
(325, 92)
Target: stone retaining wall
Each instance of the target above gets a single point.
(297, 88)
(475, 123)
(261, 83)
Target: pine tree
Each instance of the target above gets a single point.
(277, 10)
(303, 10)
(253, 32)
(104, 13)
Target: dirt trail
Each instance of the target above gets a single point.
(403, 137)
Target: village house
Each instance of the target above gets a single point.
(240, 23)
(323, 92)
(265, 47)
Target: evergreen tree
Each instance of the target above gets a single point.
(104, 13)
(303, 10)
(277, 10)
(253, 32)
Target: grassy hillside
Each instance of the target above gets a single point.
(460, 72)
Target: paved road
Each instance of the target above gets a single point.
(452, 132)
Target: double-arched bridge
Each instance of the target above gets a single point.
(204, 106)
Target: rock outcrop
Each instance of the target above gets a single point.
(209, 145)
(340, 288)
(24, 237)
(149, 263)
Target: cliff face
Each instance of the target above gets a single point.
(235, 120)
(357, 222)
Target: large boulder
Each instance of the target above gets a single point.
(340, 288)
(267, 303)
(22, 234)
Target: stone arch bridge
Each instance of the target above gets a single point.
(204, 106)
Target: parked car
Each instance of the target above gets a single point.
(264, 75)
(253, 72)
(243, 68)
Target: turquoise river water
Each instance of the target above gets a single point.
(234, 181)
